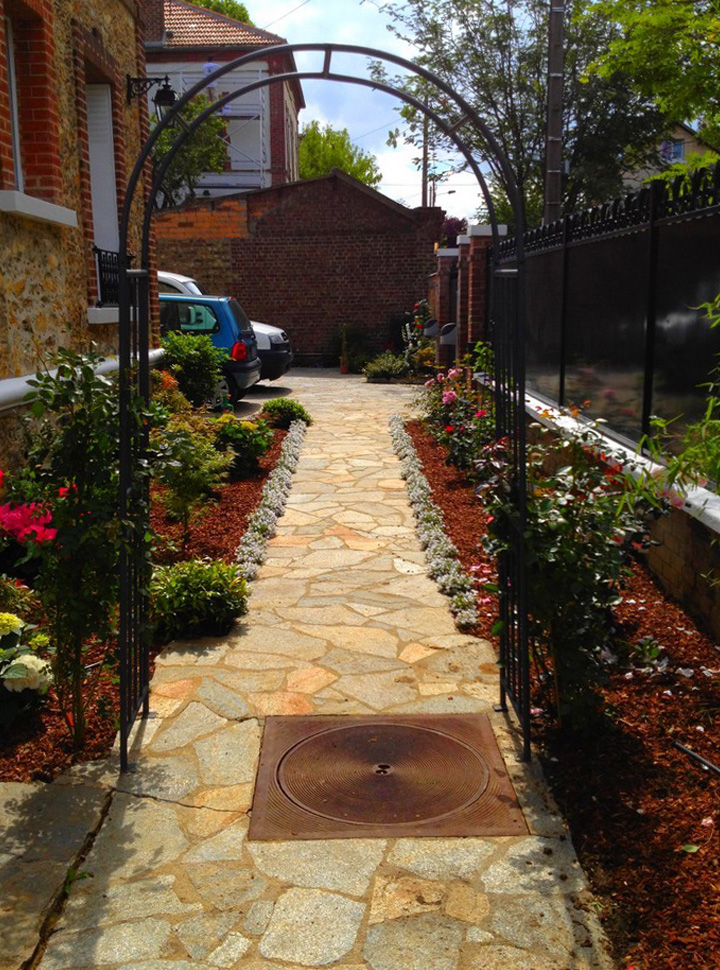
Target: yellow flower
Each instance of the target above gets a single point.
(9, 623)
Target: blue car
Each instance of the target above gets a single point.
(223, 320)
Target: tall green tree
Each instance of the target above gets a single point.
(671, 48)
(228, 8)
(494, 53)
(322, 150)
(205, 151)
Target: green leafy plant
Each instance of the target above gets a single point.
(247, 440)
(585, 517)
(15, 596)
(419, 352)
(459, 414)
(693, 456)
(166, 397)
(70, 484)
(386, 365)
(196, 364)
(196, 598)
(190, 468)
(280, 412)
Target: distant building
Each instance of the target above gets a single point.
(187, 43)
(677, 146)
(309, 257)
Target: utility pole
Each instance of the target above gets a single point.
(425, 159)
(553, 144)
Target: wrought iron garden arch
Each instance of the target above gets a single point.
(507, 322)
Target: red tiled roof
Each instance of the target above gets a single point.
(193, 26)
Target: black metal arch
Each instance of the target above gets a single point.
(507, 317)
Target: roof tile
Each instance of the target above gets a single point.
(193, 26)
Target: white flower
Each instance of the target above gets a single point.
(37, 674)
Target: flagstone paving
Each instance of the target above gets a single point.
(343, 620)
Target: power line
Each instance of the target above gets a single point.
(379, 128)
(283, 16)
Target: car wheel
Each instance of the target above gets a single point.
(226, 392)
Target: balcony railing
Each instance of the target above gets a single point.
(107, 276)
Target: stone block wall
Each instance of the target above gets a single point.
(307, 257)
(687, 565)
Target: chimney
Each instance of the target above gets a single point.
(152, 13)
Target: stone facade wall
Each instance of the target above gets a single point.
(47, 270)
(307, 257)
(687, 564)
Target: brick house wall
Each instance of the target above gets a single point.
(47, 269)
(307, 257)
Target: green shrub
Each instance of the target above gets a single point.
(247, 440)
(282, 411)
(72, 475)
(196, 364)
(583, 521)
(196, 598)
(15, 597)
(166, 396)
(459, 415)
(190, 467)
(387, 365)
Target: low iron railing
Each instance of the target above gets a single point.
(108, 277)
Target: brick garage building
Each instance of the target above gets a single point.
(308, 257)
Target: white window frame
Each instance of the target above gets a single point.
(14, 116)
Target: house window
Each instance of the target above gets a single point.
(14, 120)
(101, 152)
(678, 150)
(673, 150)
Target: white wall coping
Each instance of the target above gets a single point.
(447, 251)
(36, 210)
(103, 314)
(13, 390)
(476, 229)
(700, 503)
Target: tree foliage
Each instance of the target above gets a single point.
(204, 151)
(494, 53)
(228, 8)
(671, 48)
(322, 150)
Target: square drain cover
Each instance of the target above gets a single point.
(324, 777)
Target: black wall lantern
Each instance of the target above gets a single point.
(164, 98)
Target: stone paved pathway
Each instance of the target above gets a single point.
(343, 620)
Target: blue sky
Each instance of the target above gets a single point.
(367, 115)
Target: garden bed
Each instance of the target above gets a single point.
(37, 746)
(644, 817)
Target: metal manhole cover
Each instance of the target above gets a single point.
(359, 777)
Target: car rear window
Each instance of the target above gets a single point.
(241, 318)
(189, 317)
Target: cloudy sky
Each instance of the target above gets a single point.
(367, 115)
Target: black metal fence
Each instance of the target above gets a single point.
(134, 387)
(613, 312)
(507, 323)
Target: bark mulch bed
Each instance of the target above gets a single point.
(37, 746)
(644, 817)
